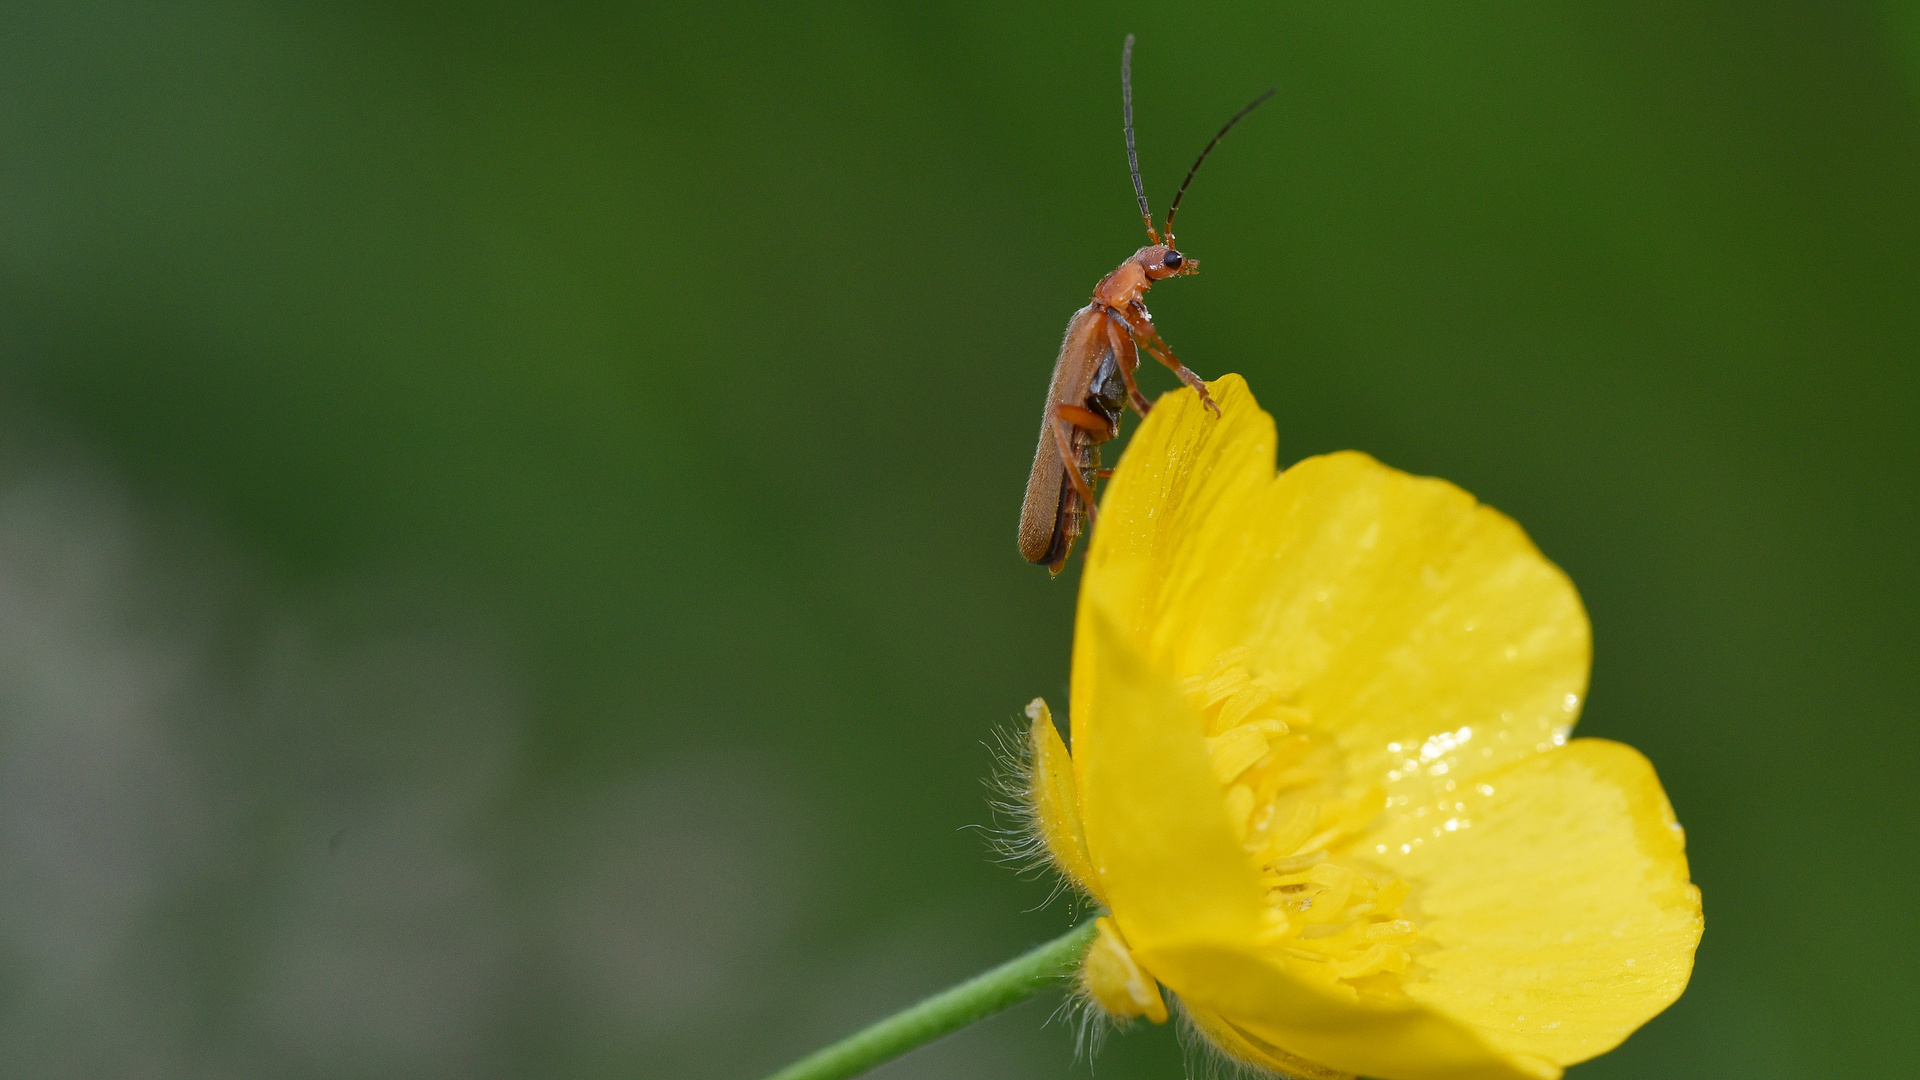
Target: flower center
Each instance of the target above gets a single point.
(1325, 920)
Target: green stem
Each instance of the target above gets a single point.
(948, 1011)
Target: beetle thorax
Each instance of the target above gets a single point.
(1124, 286)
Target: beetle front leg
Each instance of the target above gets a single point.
(1141, 326)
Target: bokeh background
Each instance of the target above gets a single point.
(507, 511)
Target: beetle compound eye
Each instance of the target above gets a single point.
(1173, 260)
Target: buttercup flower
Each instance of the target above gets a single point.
(1321, 778)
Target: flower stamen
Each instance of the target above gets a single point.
(1337, 923)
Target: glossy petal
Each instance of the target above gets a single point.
(1560, 917)
(1251, 1048)
(1179, 483)
(1184, 894)
(1055, 800)
(1163, 853)
(1114, 979)
(1379, 634)
(1395, 1042)
(1423, 633)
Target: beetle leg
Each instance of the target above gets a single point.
(1086, 420)
(1061, 424)
(1128, 357)
(1141, 324)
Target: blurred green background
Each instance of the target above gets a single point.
(507, 513)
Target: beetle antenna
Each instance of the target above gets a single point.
(1133, 159)
(1215, 141)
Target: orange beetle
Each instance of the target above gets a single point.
(1093, 377)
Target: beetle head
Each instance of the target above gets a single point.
(1160, 261)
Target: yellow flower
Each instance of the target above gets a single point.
(1321, 776)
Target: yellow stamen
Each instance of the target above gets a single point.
(1284, 838)
(1239, 805)
(1241, 748)
(1326, 919)
(1373, 961)
(1241, 705)
(1328, 903)
(1296, 863)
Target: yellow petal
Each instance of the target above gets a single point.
(1250, 1048)
(1055, 802)
(1417, 645)
(1560, 917)
(1163, 850)
(1183, 468)
(1423, 635)
(1115, 982)
(1275, 1008)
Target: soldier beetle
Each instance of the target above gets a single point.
(1093, 376)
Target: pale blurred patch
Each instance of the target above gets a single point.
(97, 808)
(679, 893)
(252, 836)
(101, 815)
